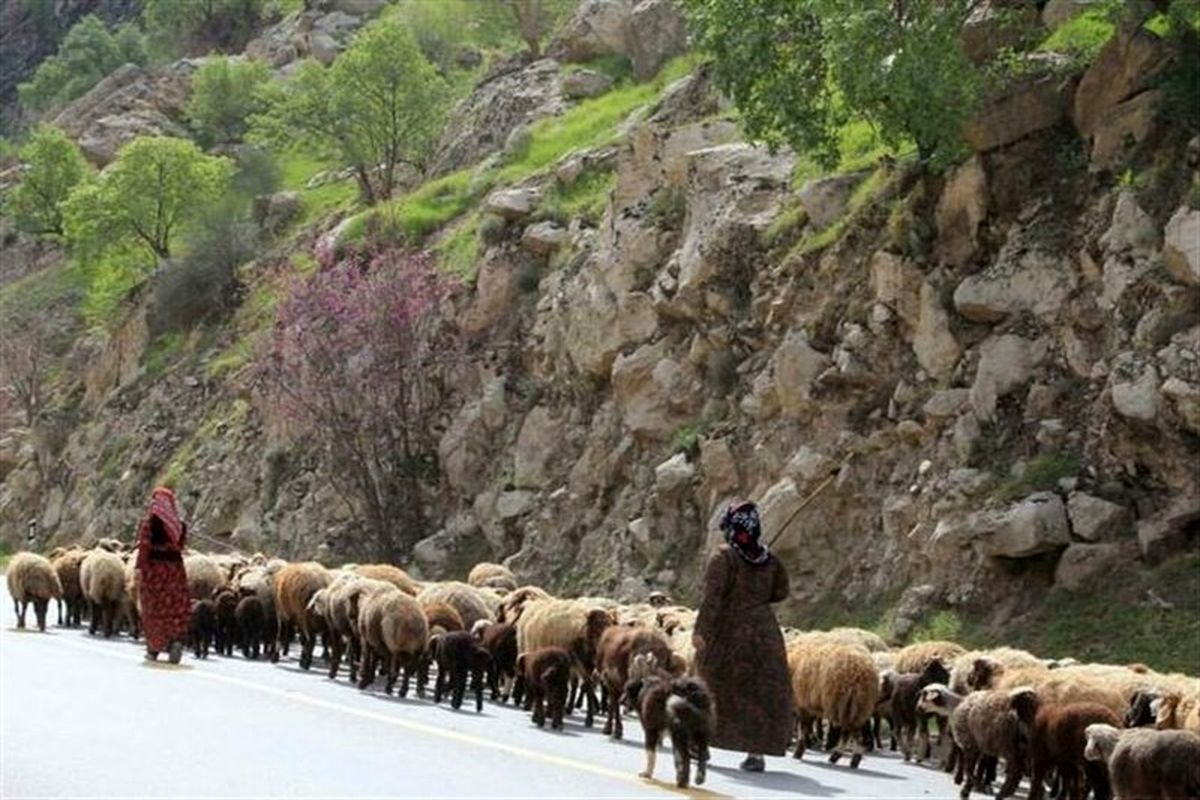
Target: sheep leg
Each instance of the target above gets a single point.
(110, 619)
(439, 685)
(681, 748)
(422, 671)
(573, 697)
(93, 617)
(923, 737)
(40, 607)
(1097, 778)
(865, 740)
(590, 719)
(970, 757)
(367, 670)
(539, 706)
(651, 748)
(833, 737)
(614, 711)
(23, 607)
(477, 687)
(493, 680)
(1037, 779)
(335, 658)
(410, 669)
(701, 758)
(518, 691)
(1012, 778)
(459, 686)
(802, 737)
(393, 671)
(58, 605)
(951, 762)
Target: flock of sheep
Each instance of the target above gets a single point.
(1123, 731)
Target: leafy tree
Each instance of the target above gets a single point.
(54, 167)
(380, 105)
(225, 92)
(798, 69)
(197, 26)
(359, 360)
(152, 188)
(87, 53)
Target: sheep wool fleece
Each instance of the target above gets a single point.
(166, 602)
(743, 659)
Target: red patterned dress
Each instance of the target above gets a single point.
(166, 604)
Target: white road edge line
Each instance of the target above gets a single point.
(433, 730)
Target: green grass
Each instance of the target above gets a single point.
(163, 352)
(297, 167)
(1083, 36)
(458, 250)
(416, 215)
(63, 283)
(585, 199)
(864, 193)
(1042, 473)
(860, 147)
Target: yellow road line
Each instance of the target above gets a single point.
(412, 725)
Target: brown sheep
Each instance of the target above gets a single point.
(1056, 741)
(985, 726)
(1145, 763)
(442, 616)
(1175, 711)
(102, 579)
(838, 683)
(393, 630)
(915, 657)
(545, 673)
(573, 625)
(906, 720)
(389, 574)
(252, 627)
(66, 565)
(468, 601)
(500, 640)
(618, 645)
(344, 599)
(204, 577)
(32, 579)
(295, 585)
(963, 665)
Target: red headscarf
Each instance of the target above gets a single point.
(161, 505)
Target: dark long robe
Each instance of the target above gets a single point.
(163, 590)
(742, 658)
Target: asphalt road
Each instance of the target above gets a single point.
(86, 717)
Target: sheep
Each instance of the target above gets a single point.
(546, 673)
(514, 602)
(463, 598)
(204, 577)
(295, 584)
(984, 726)
(129, 610)
(252, 628)
(457, 654)
(1144, 762)
(66, 565)
(1007, 657)
(1175, 711)
(443, 617)
(915, 657)
(32, 579)
(344, 599)
(680, 705)
(939, 700)
(203, 627)
(388, 574)
(492, 576)
(259, 580)
(392, 627)
(102, 579)
(906, 720)
(500, 640)
(839, 683)
(618, 645)
(1140, 713)
(1056, 741)
(1064, 687)
(226, 600)
(574, 625)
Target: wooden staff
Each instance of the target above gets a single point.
(804, 503)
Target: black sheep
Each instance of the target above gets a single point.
(458, 655)
(906, 720)
(500, 640)
(251, 626)
(204, 626)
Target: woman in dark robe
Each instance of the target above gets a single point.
(166, 603)
(739, 648)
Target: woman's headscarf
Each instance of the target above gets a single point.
(161, 505)
(742, 529)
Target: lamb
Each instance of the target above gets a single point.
(500, 640)
(1056, 741)
(1175, 711)
(393, 628)
(388, 574)
(204, 626)
(546, 673)
(226, 601)
(839, 683)
(294, 587)
(906, 720)
(463, 598)
(939, 700)
(617, 647)
(572, 625)
(680, 705)
(102, 579)
(458, 654)
(983, 726)
(1146, 763)
(443, 617)
(252, 628)
(204, 577)
(492, 576)
(32, 579)
(66, 565)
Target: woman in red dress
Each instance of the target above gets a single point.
(166, 604)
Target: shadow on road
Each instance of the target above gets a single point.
(778, 781)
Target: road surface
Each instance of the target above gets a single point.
(87, 717)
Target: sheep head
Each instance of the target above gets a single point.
(1141, 711)
(935, 672)
(936, 698)
(1024, 701)
(1163, 709)
(1101, 741)
(983, 672)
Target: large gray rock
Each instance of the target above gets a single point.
(1056, 12)
(1133, 384)
(540, 439)
(512, 204)
(795, 366)
(1167, 531)
(1022, 278)
(825, 199)
(934, 344)
(657, 32)
(1094, 519)
(1181, 246)
(647, 32)
(585, 83)
(1132, 229)
(673, 475)
(654, 392)
(1082, 565)
(1006, 363)
(961, 209)
(777, 506)
(544, 238)
(1185, 396)
(1037, 524)
(1127, 65)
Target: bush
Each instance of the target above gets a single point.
(88, 52)
(54, 167)
(195, 27)
(225, 92)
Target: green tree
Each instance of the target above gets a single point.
(381, 104)
(225, 92)
(798, 69)
(194, 27)
(53, 168)
(155, 185)
(87, 53)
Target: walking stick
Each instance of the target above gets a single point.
(804, 503)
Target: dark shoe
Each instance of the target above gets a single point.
(175, 653)
(152, 655)
(753, 764)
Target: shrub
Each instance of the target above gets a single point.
(54, 167)
(195, 27)
(225, 92)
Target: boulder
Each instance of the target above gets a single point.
(933, 343)
(541, 437)
(1124, 126)
(1169, 530)
(946, 404)
(512, 204)
(1037, 524)
(1133, 384)
(825, 199)
(1056, 12)
(1081, 565)
(544, 238)
(647, 32)
(656, 32)
(896, 282)
(778, 504)
(1023, 277)
(510, 505)
(991, 27)
(809, 465)
(1181, 246)
(674, 475)
(1185, 397)
(585, 83)
(718, 470)
(1094, 519)
(1127, 65)
(597, 28)
(654, 392)
(961, 209)
(322, 46)
(795, 365)
(1025, 107)
(1131, 229)
(496, 286)
(1006, 363)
